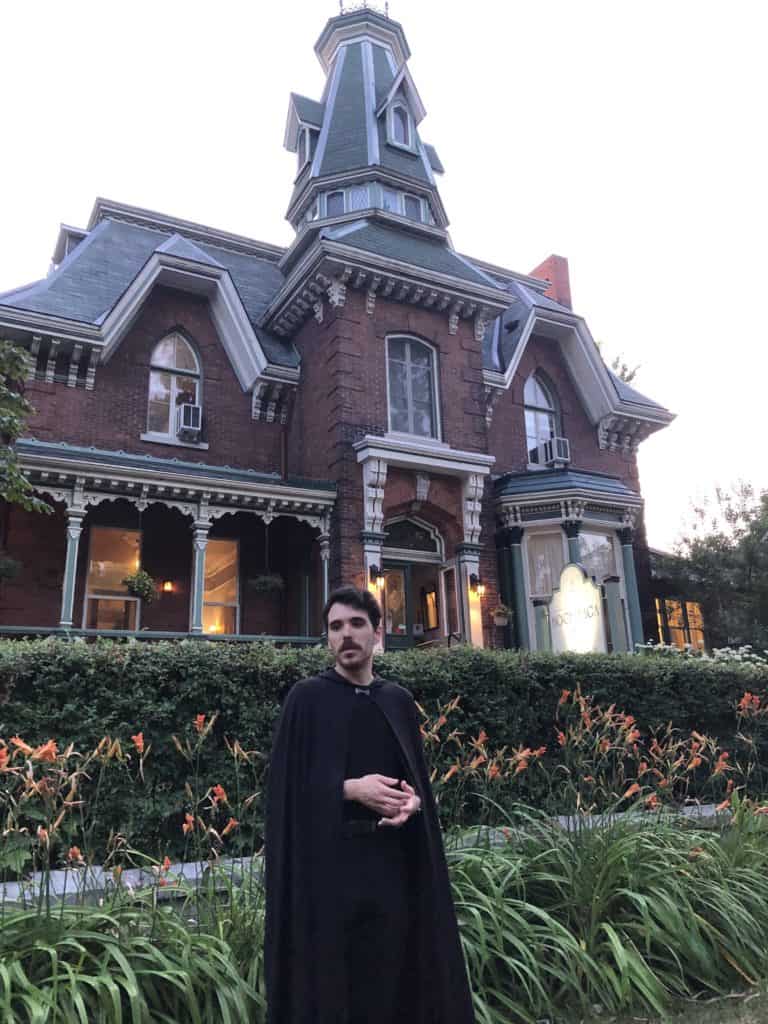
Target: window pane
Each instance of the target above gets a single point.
(676, 623)
(390, 200)
(394, 602)
(221, 571)
(422, 420)
(400, 126)
(219, 619)
(659, 621)
(421, 385)
(185, 357)
(412, 208)
(398, 397)
(545, 562)
(358, 198)
(420, 354)
(159, 402)
(114, 554)
(536, 394)
(108, 613)
(165, 353)
(186, 390)
(397, 349)
(596, 554)
(334, 204)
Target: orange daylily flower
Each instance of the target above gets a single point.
(74, 856)
(219, 794)
(561, 738)
(605, 746)
(724, 805)
(721, 765)
(481, 739)
(477, 761)
(521, 767)
(189, 824)
(48, 752)
(199, 723)
(589, 778)
(539, 752)
(3, 758)
(564, 695)
(633, 736)
(440, 722)
(138, 742)
(633, 789)
(450, 773)
(165, 866)
(21, 745)
(231, 825)
(652, 802)
(42, 835)
(494, 771)
(693, 763)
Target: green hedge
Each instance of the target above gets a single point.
(77, 692)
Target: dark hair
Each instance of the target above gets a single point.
(351, 596)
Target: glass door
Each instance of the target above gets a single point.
(398, 613)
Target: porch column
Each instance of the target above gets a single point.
(468, 562)
(324, 540)
(506, 588)
(572, 528)
(541, 625)
(199, 544)
(616, 625)
(630, 585)
(518, 583)
(74, 529)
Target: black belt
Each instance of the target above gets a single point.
(359, 827)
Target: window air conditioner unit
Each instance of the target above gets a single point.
(555, 452)
(189, 420)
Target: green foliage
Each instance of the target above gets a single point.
(723, 563)
(78, 693)
(141, 585)
(14, 410)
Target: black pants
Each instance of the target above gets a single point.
(379, 932)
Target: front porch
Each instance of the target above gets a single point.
(231, 554)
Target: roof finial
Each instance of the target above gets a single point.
(363, 6)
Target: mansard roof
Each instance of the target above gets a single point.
(556, 481)
(89, 283)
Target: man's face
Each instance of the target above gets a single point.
(351, 636)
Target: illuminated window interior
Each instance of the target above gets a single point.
(680, 622)
(221, 592)
(113, 555)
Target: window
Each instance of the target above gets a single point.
(597, 554)
(390, 200)
(400, 122)
(540, 416)
(304, 147)
(358, 198)
(546, 559)
(334, 204)
(174, 380)
(221, 603)
(113, 555)
(312, 211)
(411, 376)
(413, 207)
(680, 622)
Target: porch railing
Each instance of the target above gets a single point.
(149, 635)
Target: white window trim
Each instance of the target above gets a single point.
(391, 140)
(88, 594)
(438, 434)
(197, 376)
(305, 131)
(222, 604)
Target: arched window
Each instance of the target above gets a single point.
(412, 387)
(401, 126)
(174, 380)
(540, 416)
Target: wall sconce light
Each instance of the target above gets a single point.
(376, 577)
(476, 585)
(167, 586)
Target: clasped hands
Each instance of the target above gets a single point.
(393, 799)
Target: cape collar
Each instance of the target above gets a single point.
(336, 677)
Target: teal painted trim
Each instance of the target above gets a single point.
(199, 545)
(543, 630)
(504, 557)
(619, 640)
(633, 597)
(521, 601)
(74, 529)
(574, 554)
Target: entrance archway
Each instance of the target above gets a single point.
(413, 556)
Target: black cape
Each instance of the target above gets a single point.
(304, 962)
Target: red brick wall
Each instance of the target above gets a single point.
(114, 414)
(39, 543)
(507, 434)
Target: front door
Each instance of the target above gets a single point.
(398, 610)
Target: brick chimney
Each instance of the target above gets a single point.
(554, 269)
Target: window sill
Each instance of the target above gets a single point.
(167, 439)
(405, 149)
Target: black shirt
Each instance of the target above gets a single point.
(372, 748)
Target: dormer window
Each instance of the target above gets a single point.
(400, 128)
(304, 147)
(174, 381)
(541, 417)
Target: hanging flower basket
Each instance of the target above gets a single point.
(140, 584)
(501, 615)
(267, 583)
(9, 568)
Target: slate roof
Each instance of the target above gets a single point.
(171, 467)
(434, 160)
(417, 250)
(346, 146)
(309, 111)
(90, 281)
(629, 394)
(557, 480)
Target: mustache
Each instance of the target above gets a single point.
(349, 646)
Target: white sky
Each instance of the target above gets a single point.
(629, 137)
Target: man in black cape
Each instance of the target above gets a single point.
(360, 926)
